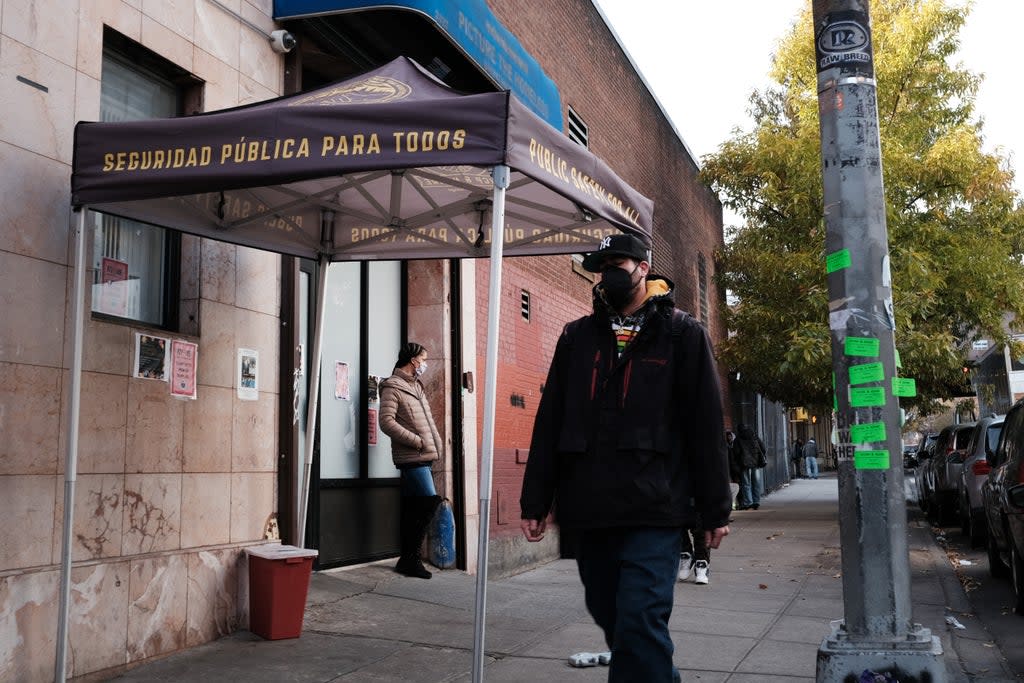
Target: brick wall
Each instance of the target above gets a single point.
(628, 131)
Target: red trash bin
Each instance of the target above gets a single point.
(278, 583)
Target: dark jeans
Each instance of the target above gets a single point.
(697, 548)
(629, 578)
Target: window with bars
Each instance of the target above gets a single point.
(524, 301)
(136, 266)
(702, 286)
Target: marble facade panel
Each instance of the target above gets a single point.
(217, 272)
(48, 26)
(258, 281)
(26, 540)
(219, 33)
(221, 81)
(98, 617)
(217, 351)
(254, 438)
(252, 505)
(103, 416)
(107, 348)
(123, 17)
(43, 121)
(176, 15)
(29, 605)
(205, 509)
(212, 595)
(157, 604)
(29, 419)
(87, 98)
(97, 517)
(209, 422)
(166, 42)
(154, 432)
(36, 214)
(152, 513)
(32, 298)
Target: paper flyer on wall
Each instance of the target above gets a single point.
(112, 297)
(184, 361)
(151, 357)
(341, 385)
(248, 375)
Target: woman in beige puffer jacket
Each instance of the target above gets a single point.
(415, 443)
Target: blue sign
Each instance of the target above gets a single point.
(471, 26)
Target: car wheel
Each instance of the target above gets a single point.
(1017, 569)
(996, 567)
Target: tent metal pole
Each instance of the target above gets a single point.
(312, 397)
(501, 182)
(71, 458)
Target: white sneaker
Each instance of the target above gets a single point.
(700, 572)
(685, 566)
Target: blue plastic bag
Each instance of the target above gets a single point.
(441, 537)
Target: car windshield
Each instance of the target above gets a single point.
(992, 437)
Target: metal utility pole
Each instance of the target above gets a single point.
(876, 633)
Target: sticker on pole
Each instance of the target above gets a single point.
(866, 372)
(871, 432)
(845, 42)
(861, 346)
(904, 386)
(837, 261)
(867, 397)
(871, 460)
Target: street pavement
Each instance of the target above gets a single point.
(775, 588)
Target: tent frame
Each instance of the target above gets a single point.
(501, 174)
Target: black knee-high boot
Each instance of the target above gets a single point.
(415, 516)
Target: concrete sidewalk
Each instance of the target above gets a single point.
(775, 587)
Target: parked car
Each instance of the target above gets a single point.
(909, 456)
(984, 440)
(924, 453)
(1002, 496)
(943, 472)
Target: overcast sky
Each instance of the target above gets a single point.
(702, 59)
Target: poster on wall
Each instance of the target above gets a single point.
(248, 375)
(371, 426)
(184, 358)
(113, 294)
(151, 357)
(341, 385)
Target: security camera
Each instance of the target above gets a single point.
(282, 41)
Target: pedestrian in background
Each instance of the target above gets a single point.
(415, 443)
(752, 458)
(811, 458)
(628, 441)
(797, 456)
(735, 466)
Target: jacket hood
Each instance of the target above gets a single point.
(746, 432)
(660, 292)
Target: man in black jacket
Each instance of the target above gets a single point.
(628, 440)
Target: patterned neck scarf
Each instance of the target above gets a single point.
(626, 327)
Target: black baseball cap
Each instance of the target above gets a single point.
(629, 246)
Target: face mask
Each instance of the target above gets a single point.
(421, 368)
(618, 285)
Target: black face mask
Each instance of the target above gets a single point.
(618, 285)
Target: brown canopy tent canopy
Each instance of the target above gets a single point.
(390, 164)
